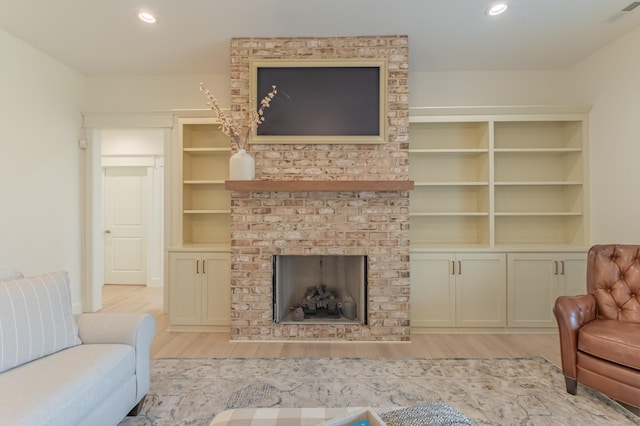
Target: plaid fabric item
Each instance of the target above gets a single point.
(280, 416)
(435, 414)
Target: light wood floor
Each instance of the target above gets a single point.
(117, 298)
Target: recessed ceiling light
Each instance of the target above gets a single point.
(147, 17)
(497, 9)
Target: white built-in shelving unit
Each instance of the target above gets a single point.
(501, 195)
(205, 167)
(498, 177)
(199, 256)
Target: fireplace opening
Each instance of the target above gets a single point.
(319, 289)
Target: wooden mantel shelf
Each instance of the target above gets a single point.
(318, 185)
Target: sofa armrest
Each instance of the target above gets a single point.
(133, 329)
(572, 312)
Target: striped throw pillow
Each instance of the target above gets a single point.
(35, 318)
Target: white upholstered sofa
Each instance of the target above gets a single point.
(57, 368)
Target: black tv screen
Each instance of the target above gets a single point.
(322, 103)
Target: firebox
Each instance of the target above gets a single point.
(320, 289)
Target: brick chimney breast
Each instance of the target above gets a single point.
(371, 223)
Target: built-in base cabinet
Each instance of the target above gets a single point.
(199, 296)
(458, 290)
(492, 290)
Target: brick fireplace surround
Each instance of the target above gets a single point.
(342, 222)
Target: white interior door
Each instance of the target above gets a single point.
(125, 225)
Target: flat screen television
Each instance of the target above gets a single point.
(330, 101)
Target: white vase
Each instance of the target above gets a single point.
(242, 166)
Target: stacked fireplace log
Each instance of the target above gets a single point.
(321, 299)
(323, 302)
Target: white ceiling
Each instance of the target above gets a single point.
(98, 37)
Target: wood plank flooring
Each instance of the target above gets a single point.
(124, 298)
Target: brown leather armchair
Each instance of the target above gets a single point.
(600, 331)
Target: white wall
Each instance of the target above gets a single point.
(132, 142)
(154, 93)
(40, 163)
(610, 80)
(491, 88)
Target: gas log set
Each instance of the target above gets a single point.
(323, 302)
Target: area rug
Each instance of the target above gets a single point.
(502, 391)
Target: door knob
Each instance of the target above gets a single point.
(108, 231)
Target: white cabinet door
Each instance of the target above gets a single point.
(481, 290)
(573, 272)
(458, 289)
(216, 297)
(432, 290)
(185, 288)
(534, 282)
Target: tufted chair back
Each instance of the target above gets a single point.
(613, 277)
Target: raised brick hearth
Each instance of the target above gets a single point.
(305, 222)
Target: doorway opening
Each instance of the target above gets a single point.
(132, 162)
(107, 150)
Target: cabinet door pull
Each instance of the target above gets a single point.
(204, 262)
(197, 266)
(555, 267)
(459, 267)
(562, 267)
(453, 267)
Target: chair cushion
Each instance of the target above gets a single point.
(65, 387)
(615, 341)
(35, 318)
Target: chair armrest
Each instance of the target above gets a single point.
(572, 312)
(133, 329)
